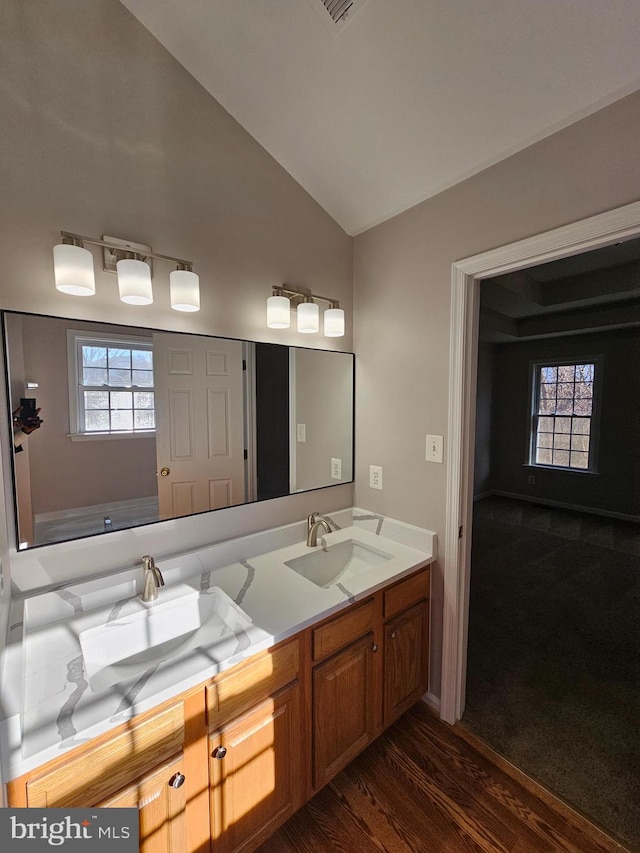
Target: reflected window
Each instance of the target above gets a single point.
(113, 385)
(564, 408)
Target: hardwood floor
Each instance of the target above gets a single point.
(424, 786)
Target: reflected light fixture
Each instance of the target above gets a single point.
(74, 271)
(286, 297)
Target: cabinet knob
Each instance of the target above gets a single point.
(393, 635)
(177, 780)
(374, 647)
(219, 752)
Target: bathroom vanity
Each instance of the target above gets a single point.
(226, 741)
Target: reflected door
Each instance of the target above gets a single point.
(199, 423)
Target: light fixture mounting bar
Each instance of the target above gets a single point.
(121, 246)
(302, 294)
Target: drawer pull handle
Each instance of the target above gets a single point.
(177, 781)
(219, 752)
(374, 647)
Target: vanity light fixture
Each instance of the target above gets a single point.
(74, 271)
(287, 296)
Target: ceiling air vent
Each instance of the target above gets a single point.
(337, 13)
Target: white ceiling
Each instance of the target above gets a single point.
(409, 96)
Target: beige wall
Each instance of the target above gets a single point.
(103, 132)
(323, 402)
(402, 272)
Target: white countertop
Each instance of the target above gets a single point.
(49, 705)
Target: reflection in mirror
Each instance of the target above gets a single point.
(136, 425)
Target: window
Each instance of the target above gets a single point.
(563, 424)
(112, 385)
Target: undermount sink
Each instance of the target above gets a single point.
(186, 619)
(338, 563)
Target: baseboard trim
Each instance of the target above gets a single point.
(621, 516)
(432, 701)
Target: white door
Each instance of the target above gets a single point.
(199, 423)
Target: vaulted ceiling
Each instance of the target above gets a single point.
(405, 97)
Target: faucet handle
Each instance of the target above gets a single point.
(148, 562)
(311, 519)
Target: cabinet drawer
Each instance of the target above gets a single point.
(251, 681)
(406, 593)
(86, 779)
(342, 630)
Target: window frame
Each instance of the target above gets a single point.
(594, 428)
(75, 339)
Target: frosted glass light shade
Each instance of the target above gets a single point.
(334, 323)
(73, 270)
(278, 312)
(184, 287)
(134, 282)
(308, 318)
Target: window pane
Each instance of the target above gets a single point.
(120, 378)
(94, 376)
(122, 420)
(561, 442)
(96, 399)
(545, 424)
(581, 426)
(94, 356)
(96, 421)
(121, 400)
(584, 389)
(579, 460)
(119, 357)
(585, 372)
(141, 359)
(561, 457)
(547, 406)
(548, 392)
(565, 389)
(563, 424)
(548, 374)
(544, 457)
(545, 439)
(580, 442)
(564, 406)
(582, 406)
(143, 399)
(566, 373)
(144, 419)
(143, 378)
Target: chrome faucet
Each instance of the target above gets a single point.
(313, 525)
(152, 579)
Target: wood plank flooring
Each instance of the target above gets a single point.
(424, 786)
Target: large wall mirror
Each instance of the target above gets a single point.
(139, 426)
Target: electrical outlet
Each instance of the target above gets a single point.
(531, 480)
(336, 469)
(302, 432)
(375, 476)
(434, 448)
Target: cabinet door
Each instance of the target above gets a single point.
(255, 772)
(343, 708)
(162, 808)
(406, 660)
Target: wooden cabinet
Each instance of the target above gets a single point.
(160, 797)
(255, 772)
(343, 708)
(406, 656)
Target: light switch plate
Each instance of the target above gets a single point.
(302, 432)
(435, 444)
(375, 476)
(336, 469)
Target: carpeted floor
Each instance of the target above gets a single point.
(553, 680)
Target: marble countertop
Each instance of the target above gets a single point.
(51, 705)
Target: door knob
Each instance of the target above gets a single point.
(177, 781)
(219, 752)
(374, 647)
(164, 472)
(393, 635)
